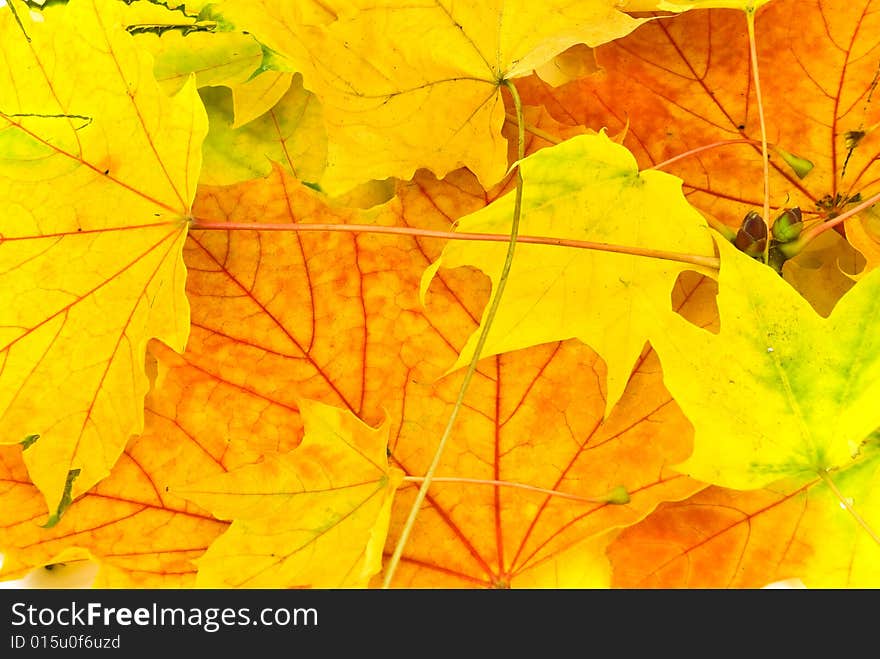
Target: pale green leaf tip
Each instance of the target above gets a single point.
(66, 500)
(209, 13)
(618, 496)
(800, 166)
(28, 441)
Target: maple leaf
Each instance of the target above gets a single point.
(404, 86)
(782, 391)
(576, 62)
(823, 271)
(256, 96)
(181, 45)
(290, 306)
(139, 534)
(720, 538)
(536, 418)
(290, 133)
(133, 524)
(316, 516)
(863, 233)
(236, 61)
(587, 188)
(553, 452)
(536, 421)
(79, 109)
(684, 82)
(229, 59)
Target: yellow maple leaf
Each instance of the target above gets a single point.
(587, 188)
(316, 516)
(254, 97)
(576, 62)
(182, 45)
(782, 391)
(290, 132)
(406, 86)
(222, 58)
(94, 152)
(822, 272)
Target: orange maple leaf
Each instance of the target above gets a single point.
(290, 305)
(723, 538)
(681, 83)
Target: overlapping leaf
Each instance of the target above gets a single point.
(217, 58)
(290, 133)
(683, 82)
(782, 391)
(98, 171)
(406, 86)
(139, 532)
(314, 517)
(727, 539)
(588, 189)
(543, 468)
(268, 331)
(182, 45)
(863, 233)
(825, 270)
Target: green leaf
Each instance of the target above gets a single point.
(291, 133)
(780, 391)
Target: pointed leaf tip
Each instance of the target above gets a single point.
(66, 500)
(317, 515)
(28, 441)
(799, 165)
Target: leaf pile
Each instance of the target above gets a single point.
(255, 256)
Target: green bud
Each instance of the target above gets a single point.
(789, 225)
(752, 235)
(799, 165)
(618, 495)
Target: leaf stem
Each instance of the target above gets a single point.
(537, 132)
(815, 231)
(694, 259)
(472, 366)
(765, 156)
(823, 474)
(700, 149)
(11, 4)
(521, 486)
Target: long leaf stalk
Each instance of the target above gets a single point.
(765, 154)
(481, 342)
(694, 259)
